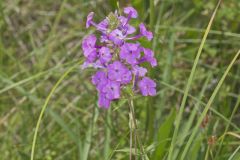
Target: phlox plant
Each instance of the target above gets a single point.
(117, 55)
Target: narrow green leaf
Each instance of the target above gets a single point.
(184, 100)
(209, 103)
(163, 134)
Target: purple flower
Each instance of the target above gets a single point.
(103, 102)
(89, 42)
(100, 79)
(111, 90)
(103, 25)
(149, 57)
(97, 64)
(123, 20)
(145, 32)
(130, 52)
(89, 50)
(91, 55)
(129, 29)
(89, 19)
(116, 70)
(117, 60)
(105, 55)
(127, 77)
(132, 13)
(139, 71)
(117, 37)
(104, 38)
(126, 28)
(147, 87)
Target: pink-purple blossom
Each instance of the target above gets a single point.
(145, 32)
(147, 87)
(100, 79)
(118, 55)
(89, 19)
(131, 12)
(130, 52)
(111, 90)
(139, 71)
(149, 57)
(116, 70)
(105, 55)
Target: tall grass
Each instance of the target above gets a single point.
(188, 85)
(48, 106)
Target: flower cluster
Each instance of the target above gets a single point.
(117, 57)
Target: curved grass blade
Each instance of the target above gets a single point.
(45, 105)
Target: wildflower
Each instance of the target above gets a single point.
(103, 101)
(131, 12)
(139, 71)
(117, 56)
(89, 19)
(147, 87)
(145, 32)
(149, 57)
(112, 90)
(130, 52)
(99, 79)
(105, 55)
(116, 70)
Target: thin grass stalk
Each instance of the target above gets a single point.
(183, 103)
(166, 78)
(45, 106)
(186, 129)
(228, 125)
(16, 84)
(53, 31)
(152, 14)
(208, 105)
(234, 153)
(202, 103)
(207, 153)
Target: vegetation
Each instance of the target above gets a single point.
(195, 115)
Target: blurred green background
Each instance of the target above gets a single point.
(41, 39)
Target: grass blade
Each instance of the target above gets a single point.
(45, 105)
(234, 153)
(56, 117)
(228, 125)
(179, 115)
(209, 103)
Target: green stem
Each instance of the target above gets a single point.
(131, 132)
(108, 134)
(134, 122)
